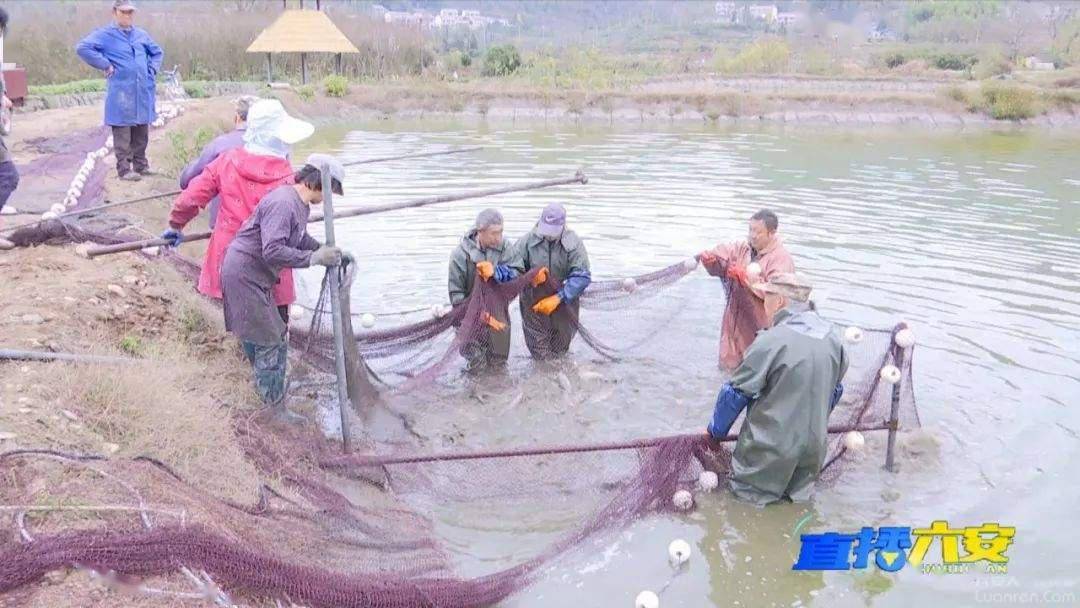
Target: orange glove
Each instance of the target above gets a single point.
(547, 305)
(486, 270)
(493, 323)
(738, 273)
(541, 277)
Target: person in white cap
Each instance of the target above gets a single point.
(788, 383)
(218, 146)
(130, 60)
(241, 177)
(273, 239)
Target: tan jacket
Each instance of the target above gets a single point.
(735, 337)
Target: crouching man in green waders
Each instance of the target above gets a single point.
(273, 238)
(788, 383)
(485, 253)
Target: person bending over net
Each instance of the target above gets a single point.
(549, 306)
(760, 258)
(788, 384)
(485, 253)
(273, 238)
(241, 177)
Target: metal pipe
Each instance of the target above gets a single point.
(335, 309)
(578, 178)
(48, 357)
(894, 409)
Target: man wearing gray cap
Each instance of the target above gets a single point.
(788, 383)
(217, 146)
(549, 307)
(484, 253)
(273, 238)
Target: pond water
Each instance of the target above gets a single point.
(972, 238)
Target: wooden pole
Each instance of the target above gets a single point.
(303, 68)
(334, 273)
(894, 409)
(338, 60)
(269, 67)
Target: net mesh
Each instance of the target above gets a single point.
(378, 529)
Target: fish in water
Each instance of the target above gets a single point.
(564, 382)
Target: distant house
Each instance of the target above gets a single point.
(1038, 63)
(405, 18)
(740, 13)
(788, 20)
(452, 17)
(881, 34)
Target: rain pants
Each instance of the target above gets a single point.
(736, 337)
(241, 179)
(568, 268)
(136, 59)
(790, 374)
(495, 345)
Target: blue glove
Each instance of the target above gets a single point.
(504, 273)
(574, 285)
(837, 392)
(174, 236)
(729, 404)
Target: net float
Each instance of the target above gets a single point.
(890, 374)
(679, 552)
(683, 500)
(708, 481)
(854, 441)
(367, 320)
(905, 338)
(647, 599)
(853, 334)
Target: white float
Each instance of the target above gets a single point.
(436, 311)
(905, 338)
(853, 334)
(708, 481)
(367, 320)
(48, 215)
(296, 313)
(647, 599)
(629, 285)
(683, 500)
(678, 552)
(890, 374)
(753, 269)
(854, 441)
(57, 208)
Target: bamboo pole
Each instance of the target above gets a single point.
(578, 178)
(48, 357)
(894, 407)
(366, 161)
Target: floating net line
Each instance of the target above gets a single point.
(382, 542)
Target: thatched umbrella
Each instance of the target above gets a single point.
(300, 31)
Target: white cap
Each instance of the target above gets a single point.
(268, 117)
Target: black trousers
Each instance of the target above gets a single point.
(130, 147)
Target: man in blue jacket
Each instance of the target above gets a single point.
(130, 60)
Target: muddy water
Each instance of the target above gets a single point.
(973, 238)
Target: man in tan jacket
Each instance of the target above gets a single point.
(758, 259)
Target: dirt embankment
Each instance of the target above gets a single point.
(185, 401)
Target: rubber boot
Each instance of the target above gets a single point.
(282, 414)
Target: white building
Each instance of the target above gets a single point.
(740, 13)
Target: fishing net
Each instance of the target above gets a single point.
(382, 528)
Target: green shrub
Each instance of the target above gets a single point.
(894, 60)
(501, 60)
(336, 86)
(96, 85)
(763, 56)
(952, 61)
(196, 89)
(306, 92)
(1009, 102)
(182, 150)
(990, 64)
(132, 345)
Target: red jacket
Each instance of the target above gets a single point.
(241, 179)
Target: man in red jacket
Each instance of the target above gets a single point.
(241, 177)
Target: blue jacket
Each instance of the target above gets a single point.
(136, 59)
